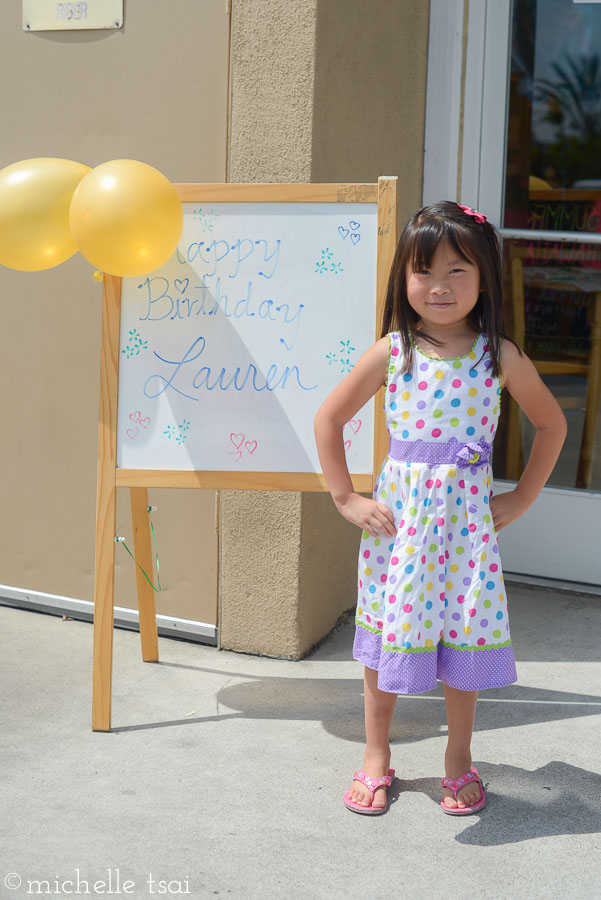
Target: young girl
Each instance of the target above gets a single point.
(432, 602)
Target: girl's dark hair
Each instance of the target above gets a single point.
(476, 243)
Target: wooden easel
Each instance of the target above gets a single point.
(384, 193)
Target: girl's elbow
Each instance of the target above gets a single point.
(324, 426)
(562, 423)
(564, 429)
(555, 424)
(318, 417)
(321, 418)
(559, 424)
(556, 419)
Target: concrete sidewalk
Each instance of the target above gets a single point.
(224, 773)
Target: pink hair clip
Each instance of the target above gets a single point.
(478, 216)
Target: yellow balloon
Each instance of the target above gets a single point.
(35, 196)
(126, 217)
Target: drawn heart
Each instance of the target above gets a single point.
(342, 231)
(347, 445)
(132, 432)
(136, 417)
(354, 225)
(179, 281)
(355, 238)
(232, 439)
(236, 454)
(251, 446)
(355, 425)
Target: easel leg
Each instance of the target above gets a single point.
(143, 553)
(104, 596)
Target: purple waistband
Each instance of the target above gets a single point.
(472, 454)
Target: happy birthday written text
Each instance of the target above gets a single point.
(161, 305)
(221, 254)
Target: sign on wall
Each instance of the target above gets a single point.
(50, 15)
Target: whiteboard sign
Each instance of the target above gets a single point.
(50, 15)
(228, 350)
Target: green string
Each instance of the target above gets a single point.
(121, 540)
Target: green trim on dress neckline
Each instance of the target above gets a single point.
(444, 358)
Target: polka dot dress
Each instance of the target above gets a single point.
(431, 601)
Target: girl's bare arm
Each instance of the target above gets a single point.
(364, 380)
(540, 406)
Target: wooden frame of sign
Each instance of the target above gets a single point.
(384, 193)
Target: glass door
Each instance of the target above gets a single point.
(515, 86)
(552, 225)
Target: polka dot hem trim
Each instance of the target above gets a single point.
(419, 674)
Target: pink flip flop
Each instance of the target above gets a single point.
(373, 784)
(455, 785)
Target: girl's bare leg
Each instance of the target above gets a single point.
(461, 712)
(379, 710)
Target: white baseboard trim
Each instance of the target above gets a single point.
(83, 610)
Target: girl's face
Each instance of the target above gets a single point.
(443, 294)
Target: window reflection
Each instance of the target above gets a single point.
(554, 134)
(553, 311)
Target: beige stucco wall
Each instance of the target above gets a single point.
(155, 90)
(321, 90)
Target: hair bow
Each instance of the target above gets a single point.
(476, 453)
(478, 216)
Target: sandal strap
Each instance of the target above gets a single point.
(455, 784)
(373, 783)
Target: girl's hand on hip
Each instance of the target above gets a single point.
(506, 508)
(370, 515)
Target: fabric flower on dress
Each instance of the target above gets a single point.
(478, 216)
(476, 453)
